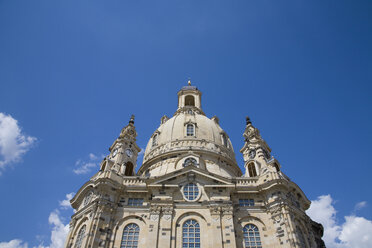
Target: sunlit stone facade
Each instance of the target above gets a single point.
(190, 192)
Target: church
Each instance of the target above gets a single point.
(189, 191)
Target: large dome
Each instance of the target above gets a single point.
(206, 130)
(189, 136)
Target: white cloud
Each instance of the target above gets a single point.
(65, 204)
(13, 143)
(15, 243)
(84, 167)
(92, 156)
(59, 230)
(360, 205)
(354, 232)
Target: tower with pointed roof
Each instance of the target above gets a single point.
(190, 192)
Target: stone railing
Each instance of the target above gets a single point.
(187, 144)
(134, 181)
(246, 181)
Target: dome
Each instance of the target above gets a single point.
(175, 130)
(189, 134)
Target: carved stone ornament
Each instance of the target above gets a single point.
(215, 218)
(167, 216)
(252, 154)
(154, 217)
(277, 217)
(72, 223)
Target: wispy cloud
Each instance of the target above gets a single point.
(85, 166)
(13, 143)
(15, 243)
(360, 205)
(65, 204)
(353, 232)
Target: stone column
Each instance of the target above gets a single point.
(215, 228)
(98, 230)
(68, 242)
(165, 230)
(152, 236)
(289, 226)
(227, 227)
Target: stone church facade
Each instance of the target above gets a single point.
(190, 192)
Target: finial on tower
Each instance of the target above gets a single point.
(189, 82)
(131, 119)
(248, 121)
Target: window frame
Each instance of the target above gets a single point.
(187, 196)
(190, 134)
(192, 160)
(154, 140)
(246, 202)
(135, 202)
(254, 169)
(191, 234)
(132, 234)
(80, 237)
(251, 236)
(225, 140)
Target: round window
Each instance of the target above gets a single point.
(190, 161)
(191, 191)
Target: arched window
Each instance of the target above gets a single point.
(190, 161)
(189, 101)
(128, 169)
(191, 191)
(155, 140)
(252, 170)
(191, 234)
(130, 236)
(224, 140)
(80, 237)
(251, 237)
(190, 130)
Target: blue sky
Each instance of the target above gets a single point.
(72, 73)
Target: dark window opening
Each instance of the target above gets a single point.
(128, 169)
(252, 170)
(189, 101)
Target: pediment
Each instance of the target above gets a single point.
(190, 173)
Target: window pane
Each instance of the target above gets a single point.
(251, 236)
(190, 230)
(191, 191)
(130, 233)
(80, 237)
(190, 130)
(135, 201)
